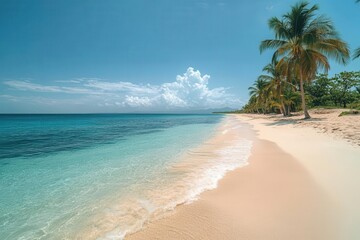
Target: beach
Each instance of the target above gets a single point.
(299, 183)
(179, 120)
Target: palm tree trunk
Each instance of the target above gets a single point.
(281, 108)
(285, 113)
(282, 105)
(303, 103)
(287, 110)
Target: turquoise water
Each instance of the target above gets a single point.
(90, 176)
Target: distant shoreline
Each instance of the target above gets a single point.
(143, 113)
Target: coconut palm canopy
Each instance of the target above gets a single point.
(304, 41)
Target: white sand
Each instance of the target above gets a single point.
(330, 159)
(299, 185)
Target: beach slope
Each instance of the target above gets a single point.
(299, 184)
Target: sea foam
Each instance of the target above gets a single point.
(199, 171)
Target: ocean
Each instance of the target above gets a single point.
(96, 176)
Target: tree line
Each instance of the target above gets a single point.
(270, 96)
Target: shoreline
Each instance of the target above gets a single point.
(202, 168)
(196, 170)
(281, 194)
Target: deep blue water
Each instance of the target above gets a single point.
(26, 135)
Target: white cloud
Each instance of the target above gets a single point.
(189, 91)
(28, 86)
(120, 86)
(69, 81)
(135, 101)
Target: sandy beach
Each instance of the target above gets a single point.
(326, 121)
(179, 120)
(299, 184)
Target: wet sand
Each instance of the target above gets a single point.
(291, 189)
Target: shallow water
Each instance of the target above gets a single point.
(97, 176)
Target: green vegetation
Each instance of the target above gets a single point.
(304, 42)
(271, 93)
(351, 112)
(341, 90)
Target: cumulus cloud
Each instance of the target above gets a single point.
(190, 90)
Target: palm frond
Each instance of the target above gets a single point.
(321, 22)
(314, 60)
(279, 27)
(271, 44)
(357, 51)
(299, 17)
(334, 48)
(265, 78)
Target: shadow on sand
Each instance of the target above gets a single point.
(281, 122)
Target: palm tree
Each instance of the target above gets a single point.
(276, 84)
(258, 93)
(290, 98)
(304, 42)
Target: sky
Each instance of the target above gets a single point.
(117, 56)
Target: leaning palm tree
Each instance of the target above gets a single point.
(276, 83)
(303, 42)
(290, 98)
(258, 92)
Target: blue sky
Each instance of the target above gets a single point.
(140, 55)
